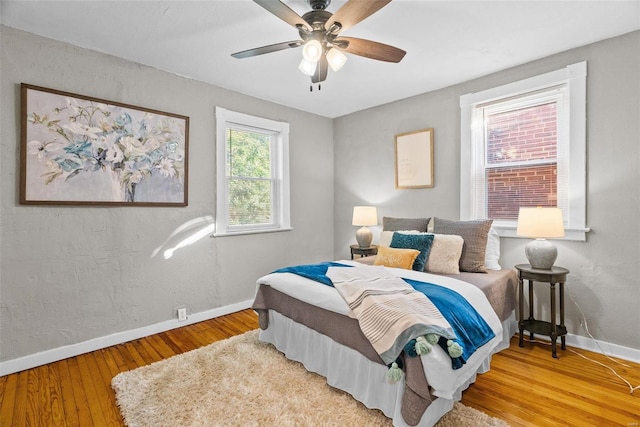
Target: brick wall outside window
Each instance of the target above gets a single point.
(521, 167)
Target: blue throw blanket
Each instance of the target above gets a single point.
(471, 330)
(317, 272)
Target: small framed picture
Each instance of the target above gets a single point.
(78, 150)
(414, 159)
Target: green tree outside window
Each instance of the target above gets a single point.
(249, 175)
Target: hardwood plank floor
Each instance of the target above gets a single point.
(525, 387)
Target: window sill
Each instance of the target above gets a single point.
(245, 232)
(572, 234)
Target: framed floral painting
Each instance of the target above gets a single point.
(78, 150)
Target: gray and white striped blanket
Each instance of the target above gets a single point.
(390, 312)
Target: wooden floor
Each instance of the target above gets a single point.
(525, 386)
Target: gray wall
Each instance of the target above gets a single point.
(70, 274)
(604, 278)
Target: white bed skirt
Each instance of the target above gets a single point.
(346, 369)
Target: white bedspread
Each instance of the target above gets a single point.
(444, 380)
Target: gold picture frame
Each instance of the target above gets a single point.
(414, 159)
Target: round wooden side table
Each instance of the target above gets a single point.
(556, 275)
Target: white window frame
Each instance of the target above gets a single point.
(574, 78)
(281, 204)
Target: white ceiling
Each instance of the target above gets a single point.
(447, 42)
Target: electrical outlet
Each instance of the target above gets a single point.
(182, 314)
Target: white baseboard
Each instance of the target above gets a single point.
(596, 346)
(53, 355)
(603, 347)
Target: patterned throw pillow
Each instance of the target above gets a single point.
(399, 258)
(475, 235)
(386, 236)
(421, 242)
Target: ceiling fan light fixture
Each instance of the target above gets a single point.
(320, 35)
(307, 67)
(336, 59)
(312, 50)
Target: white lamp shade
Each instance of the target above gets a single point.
(336, 59)
(540, 223)
(307, 67)
(365, 215)
(312, 50)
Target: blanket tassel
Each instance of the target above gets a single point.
(454, 349)
(395, 373)
(432, 338)
(422, 346)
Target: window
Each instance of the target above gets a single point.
(523, 144)
(252, 174)
(518, 165)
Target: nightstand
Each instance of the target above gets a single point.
(551, 329)
(357, 250)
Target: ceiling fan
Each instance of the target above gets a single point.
(320, 38)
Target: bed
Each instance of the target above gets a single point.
(310, 322)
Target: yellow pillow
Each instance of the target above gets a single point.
(393, 257)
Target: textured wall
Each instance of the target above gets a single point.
(70, 274)
(604, 278)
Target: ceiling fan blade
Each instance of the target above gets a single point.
(355, 11)
(371, 49)
(284, 12)
(321, 70)
(267, 49)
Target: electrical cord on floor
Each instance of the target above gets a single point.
(586, 327)
(631, 388)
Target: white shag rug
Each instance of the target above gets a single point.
(243, 382)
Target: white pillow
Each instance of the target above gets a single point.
(385, 238)
(444, 257)
(492, 253)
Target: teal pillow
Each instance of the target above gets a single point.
(421, 242)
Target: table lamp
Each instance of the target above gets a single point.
(540, 224)
(364, 216)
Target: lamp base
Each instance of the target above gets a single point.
(541, 254)
(364, 237)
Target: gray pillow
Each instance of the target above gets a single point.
(402, 224)
(475, 234)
